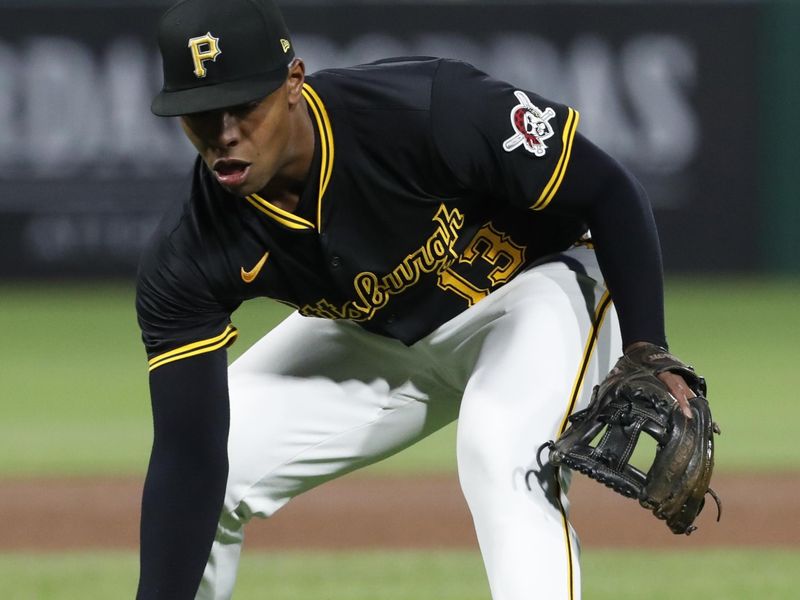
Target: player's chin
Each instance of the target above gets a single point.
(236, 190)
(241, 184)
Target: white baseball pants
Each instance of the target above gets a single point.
(315, 399)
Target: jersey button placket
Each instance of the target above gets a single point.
(335, 262)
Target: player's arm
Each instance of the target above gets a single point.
(618, 213)
(515, 146)
(615, 206)
(187, 474)
(185, 330)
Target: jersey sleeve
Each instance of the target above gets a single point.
(177, 311)
(499, 139)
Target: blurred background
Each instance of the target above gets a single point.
(697, 98)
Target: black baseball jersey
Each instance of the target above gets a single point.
(426, 192)
(431, 186)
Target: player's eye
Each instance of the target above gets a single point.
(244, 109)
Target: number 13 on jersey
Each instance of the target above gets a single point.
(493, 247)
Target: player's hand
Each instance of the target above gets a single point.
(679, 389)
(676, 385)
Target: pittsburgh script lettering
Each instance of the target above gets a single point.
(373, 292)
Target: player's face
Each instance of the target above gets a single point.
(246, 146)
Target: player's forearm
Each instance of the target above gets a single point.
(616, 208)
(186, 478)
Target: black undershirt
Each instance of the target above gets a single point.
(616, 209)
(187, 475)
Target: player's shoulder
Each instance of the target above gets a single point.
(457, 75)
(180, 296)
(172, 232)
(165, 245)
(464, 95)
(403, 82)
(177, 251)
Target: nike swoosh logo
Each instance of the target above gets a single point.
(249, 276)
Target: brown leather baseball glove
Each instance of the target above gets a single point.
(632, 400)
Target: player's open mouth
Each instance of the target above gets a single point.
(231, 172)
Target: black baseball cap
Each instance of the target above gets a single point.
(219, 53)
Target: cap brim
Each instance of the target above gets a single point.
(215, 96)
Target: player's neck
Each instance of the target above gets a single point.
(285, 188)
(283, 193)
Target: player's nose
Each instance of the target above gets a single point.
(229, 133)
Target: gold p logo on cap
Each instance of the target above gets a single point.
(204, 47)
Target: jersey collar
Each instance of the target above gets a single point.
(323, 126)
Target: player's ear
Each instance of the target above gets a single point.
(295, 79)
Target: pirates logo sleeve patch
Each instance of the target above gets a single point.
(531, 126)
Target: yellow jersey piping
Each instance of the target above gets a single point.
(284, 217)
(225, 338)
(599, 316)
(567, 137)
(591, 342)
(326, 144)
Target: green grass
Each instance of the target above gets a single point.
(386, 575)
(711, 575)
(74, 396)
(73, 377)
(742, 336)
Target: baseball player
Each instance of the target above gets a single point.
(429, 225)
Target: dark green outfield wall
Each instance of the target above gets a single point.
(780, 154)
